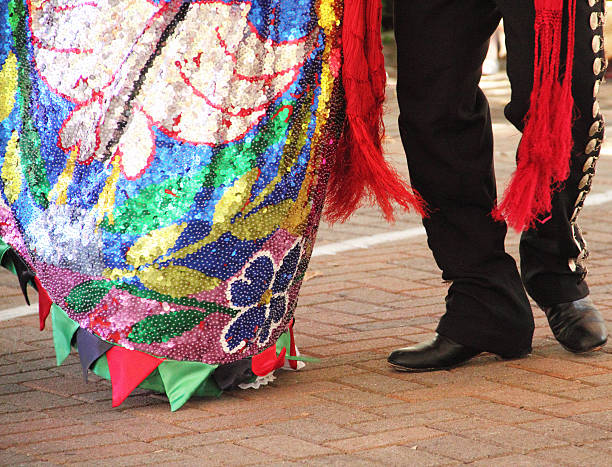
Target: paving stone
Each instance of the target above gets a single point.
(337, 460)
(153, 458)
(286, 446)
(12, 388)
(578, 456)
(336, 318)
(602, 445)
(36, 424)
(406, 455)
(462, 424)
(356, 398)
(15, 417)
(311, 430)
(254, 417)
(522, 398)
(104, 452)
(500, 413)
(313, 373)
(37, 400)
(557, 367)
(369, 295)
(379, 383)
(143, 430)
(338, 414)
(518, 460)
(386, 438)
(386, 343)
(513, 437)
(423, 407)
(573, 408)
(12, 458)
(65, 386)
(587, 393)
(212, 437)
(353, 307)
(462, 449)
(406, 421)
(445, 391)
(567, 429)
(230, 454)
(403, 333)
(160, 414)
(40, 436)
(600, 418)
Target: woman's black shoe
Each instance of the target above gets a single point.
(578, 326)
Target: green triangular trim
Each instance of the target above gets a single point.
(100, 367)
(4, 247)
(284, 340)
(183, 379)
(179, 380)
(208, 388)
(63, 331)
(153, 382)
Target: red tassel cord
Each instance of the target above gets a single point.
(360, 170)
(543, 158)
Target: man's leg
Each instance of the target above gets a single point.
(446, 131)
(553, 253)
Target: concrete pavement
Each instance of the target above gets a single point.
(553, 408)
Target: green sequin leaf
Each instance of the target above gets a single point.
(86, 296)
(184, 301)
(34, 169)
(159, 205)
(162, 328)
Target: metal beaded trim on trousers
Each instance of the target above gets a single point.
(593, 147)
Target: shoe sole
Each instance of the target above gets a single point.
(593, 349)
(425, 370)
(450, 367)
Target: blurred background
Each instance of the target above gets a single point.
(497, 53)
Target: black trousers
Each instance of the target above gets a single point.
(445, 126)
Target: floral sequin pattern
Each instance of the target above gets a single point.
(260, 294)
(163, 163)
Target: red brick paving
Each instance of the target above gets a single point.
(553, 408)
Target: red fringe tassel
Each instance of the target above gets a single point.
(360, 170)
(544, 152)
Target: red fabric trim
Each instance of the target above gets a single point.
(128, 368)
(44, 303)
(292, 348)
(544, 153)
(267, 361)
(360, 170)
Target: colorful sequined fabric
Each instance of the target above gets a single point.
(163, 163)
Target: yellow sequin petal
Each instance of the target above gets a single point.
(11, 169)
(8, 86)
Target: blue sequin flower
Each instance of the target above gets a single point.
(260, 293)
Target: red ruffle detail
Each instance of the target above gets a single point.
(544, 153)
(267, 361)
(360, 170)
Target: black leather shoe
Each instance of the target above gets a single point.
(578, 326)
(441, 353)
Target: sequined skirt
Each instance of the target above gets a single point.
(164, 164)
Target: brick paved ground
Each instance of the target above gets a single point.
(553, 408)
